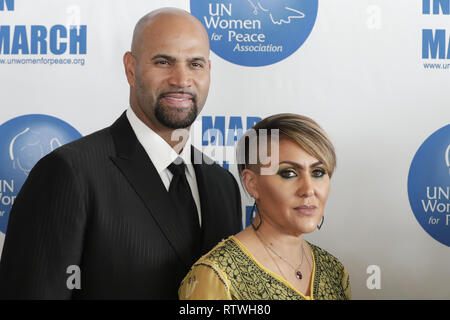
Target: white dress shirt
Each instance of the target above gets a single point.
(2, 240)
(162, 155)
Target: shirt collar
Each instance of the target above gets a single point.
(159, 151)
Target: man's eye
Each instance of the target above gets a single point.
(162, 62)
(197, 65)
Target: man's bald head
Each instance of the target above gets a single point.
(168, 70)
(165, 17)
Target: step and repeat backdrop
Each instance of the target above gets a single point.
(375, 74)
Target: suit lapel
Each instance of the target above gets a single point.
(208, 202)
(135, 165)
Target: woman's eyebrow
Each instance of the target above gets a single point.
(297, 165)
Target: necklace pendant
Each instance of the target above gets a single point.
(299, 275)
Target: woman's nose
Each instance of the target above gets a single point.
(306, 187)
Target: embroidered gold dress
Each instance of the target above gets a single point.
(230, 272)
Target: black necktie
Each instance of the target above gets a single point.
(181, 195)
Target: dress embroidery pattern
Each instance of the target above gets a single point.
(249, 281)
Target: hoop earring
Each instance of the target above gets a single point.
(260, 218)
(321, 223)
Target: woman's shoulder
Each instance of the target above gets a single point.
(223, 250)
(207, 279)
(326, 259)
(331, 277)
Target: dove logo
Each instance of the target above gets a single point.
(23, 142)
(429, 185)
(33, 147)
(256, 32)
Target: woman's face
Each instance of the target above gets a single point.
(293, 199)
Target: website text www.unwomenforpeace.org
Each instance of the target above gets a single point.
(44, 61)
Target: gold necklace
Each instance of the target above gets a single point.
(298, 273)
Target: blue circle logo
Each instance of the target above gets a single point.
(429, 185)
(23, 142)
(256, 32)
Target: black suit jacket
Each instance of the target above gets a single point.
(99, 203)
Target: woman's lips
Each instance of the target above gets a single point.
(179, 100)
(306, 210)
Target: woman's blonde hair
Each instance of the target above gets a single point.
(300, 129)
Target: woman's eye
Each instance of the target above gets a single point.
(288, 173)
(318, 173)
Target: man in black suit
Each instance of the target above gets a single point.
(100, 217)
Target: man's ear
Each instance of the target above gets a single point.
(250, 181)
(129, 62)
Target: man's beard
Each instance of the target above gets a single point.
(167, 117)
(171, 118)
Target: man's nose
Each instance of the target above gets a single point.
(180, 77)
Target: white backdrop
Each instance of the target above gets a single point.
(360, 75)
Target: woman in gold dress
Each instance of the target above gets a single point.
(285, 163)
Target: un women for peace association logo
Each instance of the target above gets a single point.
(256, 32)
(429, 185)
(23, 142)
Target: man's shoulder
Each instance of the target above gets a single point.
(98, 139)
(88, 149)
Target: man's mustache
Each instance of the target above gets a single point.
(193, 96)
